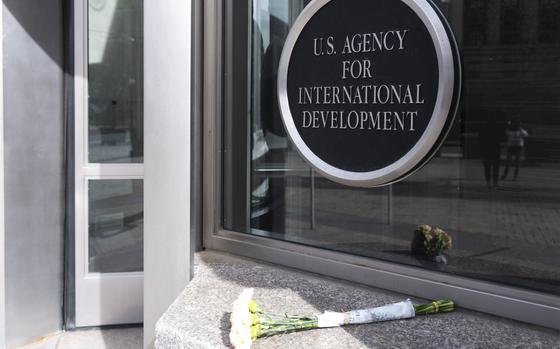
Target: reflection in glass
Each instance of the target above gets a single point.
(115, 225)
(115, 43)
(494, 185)
(287, 201)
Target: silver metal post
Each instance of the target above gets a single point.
(389, 204)
(312, 191)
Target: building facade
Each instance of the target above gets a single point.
(137, 132)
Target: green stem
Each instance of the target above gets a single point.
(271, 324)
(441, 306)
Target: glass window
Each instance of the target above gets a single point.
(494, 186)
(115, 45)
(115, 135)
(115, 225)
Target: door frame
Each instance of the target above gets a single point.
(91, 308)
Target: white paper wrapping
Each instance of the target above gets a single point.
(396, 311)
(332, 319)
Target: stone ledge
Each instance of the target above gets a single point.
(199, 318)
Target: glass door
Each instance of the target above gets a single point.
(109, 162)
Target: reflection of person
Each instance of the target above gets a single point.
(269, 137)
(271, 118)
(490, 136)
(515, 142)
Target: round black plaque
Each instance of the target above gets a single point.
(368, 88)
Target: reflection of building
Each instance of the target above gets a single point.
(511, 51)
(115, 84)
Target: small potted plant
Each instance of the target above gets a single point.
(431, 243)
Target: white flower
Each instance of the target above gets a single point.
(240, 334)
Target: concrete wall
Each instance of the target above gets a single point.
(34, 167)
(167, 92)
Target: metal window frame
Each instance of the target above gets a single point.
(509, 302)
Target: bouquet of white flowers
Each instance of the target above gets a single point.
(249, 321)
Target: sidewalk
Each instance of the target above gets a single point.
(117, 338)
